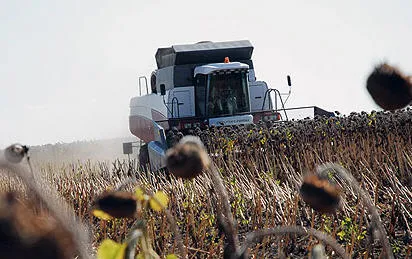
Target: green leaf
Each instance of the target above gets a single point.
(159, 201)
(341, 235)
(109, 249)
(328, 229)
(102, 215)
(171, 256)
(361, 236)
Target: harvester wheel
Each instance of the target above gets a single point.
(143, 156)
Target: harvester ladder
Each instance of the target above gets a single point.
(140, 85)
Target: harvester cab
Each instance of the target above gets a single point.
(199, 85)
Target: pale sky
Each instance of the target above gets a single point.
(69, 68)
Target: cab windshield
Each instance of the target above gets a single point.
(227, 93)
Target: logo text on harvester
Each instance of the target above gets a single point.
(235, 121)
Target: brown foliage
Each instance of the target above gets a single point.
(117, 204)
(389, 88)
(320, 194)
(188, 158)
(23, 234)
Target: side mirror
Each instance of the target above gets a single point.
(289, 81)
(162, 89)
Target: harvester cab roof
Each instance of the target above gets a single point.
(220, 67)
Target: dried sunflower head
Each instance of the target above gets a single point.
(319, 193)
(117, 204)
(26, 235)
(389, 88)
(15, 153)
(188, 158)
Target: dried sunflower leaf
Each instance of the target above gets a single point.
(101, 215)
(109, 249)
(139, 193)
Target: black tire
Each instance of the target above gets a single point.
(143, 156)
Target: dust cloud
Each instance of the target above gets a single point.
(80, 151)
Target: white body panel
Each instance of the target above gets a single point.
(181, 98)
(257, 92)
(143, 105)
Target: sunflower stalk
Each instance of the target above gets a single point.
(253, 237)
(375, 218)
(132, 239)
(230, 227)
(174, 227)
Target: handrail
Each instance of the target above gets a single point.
(270, 103)
(140, 85)
(177, 105)
(171, 111)
(167, 107)
(276, 104)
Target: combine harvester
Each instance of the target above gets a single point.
(199, 85)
